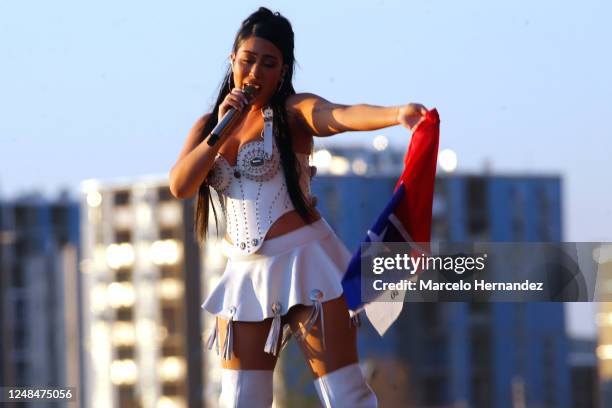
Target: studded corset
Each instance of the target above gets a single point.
(253, 193)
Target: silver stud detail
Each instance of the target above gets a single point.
(316, 295)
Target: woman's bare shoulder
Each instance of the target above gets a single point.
(299, 100)
(299, 107)
(194, 137)
(201, 121)
(196, 129)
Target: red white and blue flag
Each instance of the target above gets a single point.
(406, 218)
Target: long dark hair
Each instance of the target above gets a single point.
(275, 28)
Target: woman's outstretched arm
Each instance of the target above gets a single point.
(324, 118)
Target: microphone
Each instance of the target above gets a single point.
(215, 135)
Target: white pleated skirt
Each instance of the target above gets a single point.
(286, 271)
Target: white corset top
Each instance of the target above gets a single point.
(253, 193)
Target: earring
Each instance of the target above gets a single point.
(231, 80)
(231, 74)
(280, 84)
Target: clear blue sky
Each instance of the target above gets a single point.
(110, 89)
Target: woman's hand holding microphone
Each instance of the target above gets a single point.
(236, 99)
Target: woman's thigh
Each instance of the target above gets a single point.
(249, 340)
(340, 336)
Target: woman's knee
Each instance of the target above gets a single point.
(331, 342)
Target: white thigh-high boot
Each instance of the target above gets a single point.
(246, 388)
(345, 388)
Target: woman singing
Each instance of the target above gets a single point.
(285, 264)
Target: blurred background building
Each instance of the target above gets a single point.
(39, 293)
(604, 324)
(141, 273)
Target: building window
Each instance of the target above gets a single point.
(123, 236)
(170, 350)
(171, 271)
(20, 336)
(125, 314)
(433, 394)
(477, 207)
(125, 353)
(21, 217)
(122, 197)
(544, 214)
(170, 389)
(123, 275)
(18, 280)
(517, 214)
(127, 397)
(163, 194)
(170, 318)
(170, 233)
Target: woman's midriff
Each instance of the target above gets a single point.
(286, 223)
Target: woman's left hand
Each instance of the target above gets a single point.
(411, 115)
